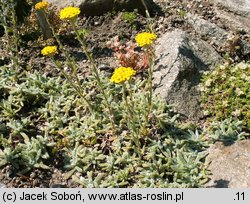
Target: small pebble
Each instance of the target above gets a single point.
(103, 67)
(35, 182)
(33, 175)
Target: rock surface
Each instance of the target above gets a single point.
(180, 61)
(205, 29)
(218, 37)
(230, 165)
(88, 7)
(99, 7)
(240, 7)
(235, 13)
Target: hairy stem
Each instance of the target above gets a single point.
(131, 119)
(96, 74)
(72, 64)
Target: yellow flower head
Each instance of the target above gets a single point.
(122, 74)
(49, 50)
(69, 13)
(145, 39)
(41, 5)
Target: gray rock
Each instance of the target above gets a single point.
(234, 13)
(130, 5)
(235, 22)
(99, 7)
(211, 31)
(229, 165)
(217, 36)
(180, 61)
(88, 7)
(240, 7)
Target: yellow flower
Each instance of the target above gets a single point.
(49, 50)
(145, 39)
(69, 13)
(41, 5)
(122, 74)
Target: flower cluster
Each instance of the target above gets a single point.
(49, 50)
(69, 13)
(122, 74)
(41, 5)
(145, 39)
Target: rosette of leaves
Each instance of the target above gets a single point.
(26, 156)
(49, 122)
(226, 93)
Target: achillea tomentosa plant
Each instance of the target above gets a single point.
(70, 14)
(55, 125)
(125, 138)
(144, 40)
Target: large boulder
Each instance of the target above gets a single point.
(208, 30)
(130, 5)
(88, 7)
(217, 36)
(240, 7)
(99, 7)
(234, 13)
(229, 165)
(180, 61)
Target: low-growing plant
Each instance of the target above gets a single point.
(226, 93)
(129, 17)
(127, 55)
(182, 13)
(227, 130)
(49, 120)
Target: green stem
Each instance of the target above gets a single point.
(71, 63)
(131, 94)
(131, 119)
(77, 88)
(150, 69)
(67, 55)
(15, 31)
(47, 33)
(150, 22)
(150, 84)
(96, 74)
(149, 89)
(12, 43)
